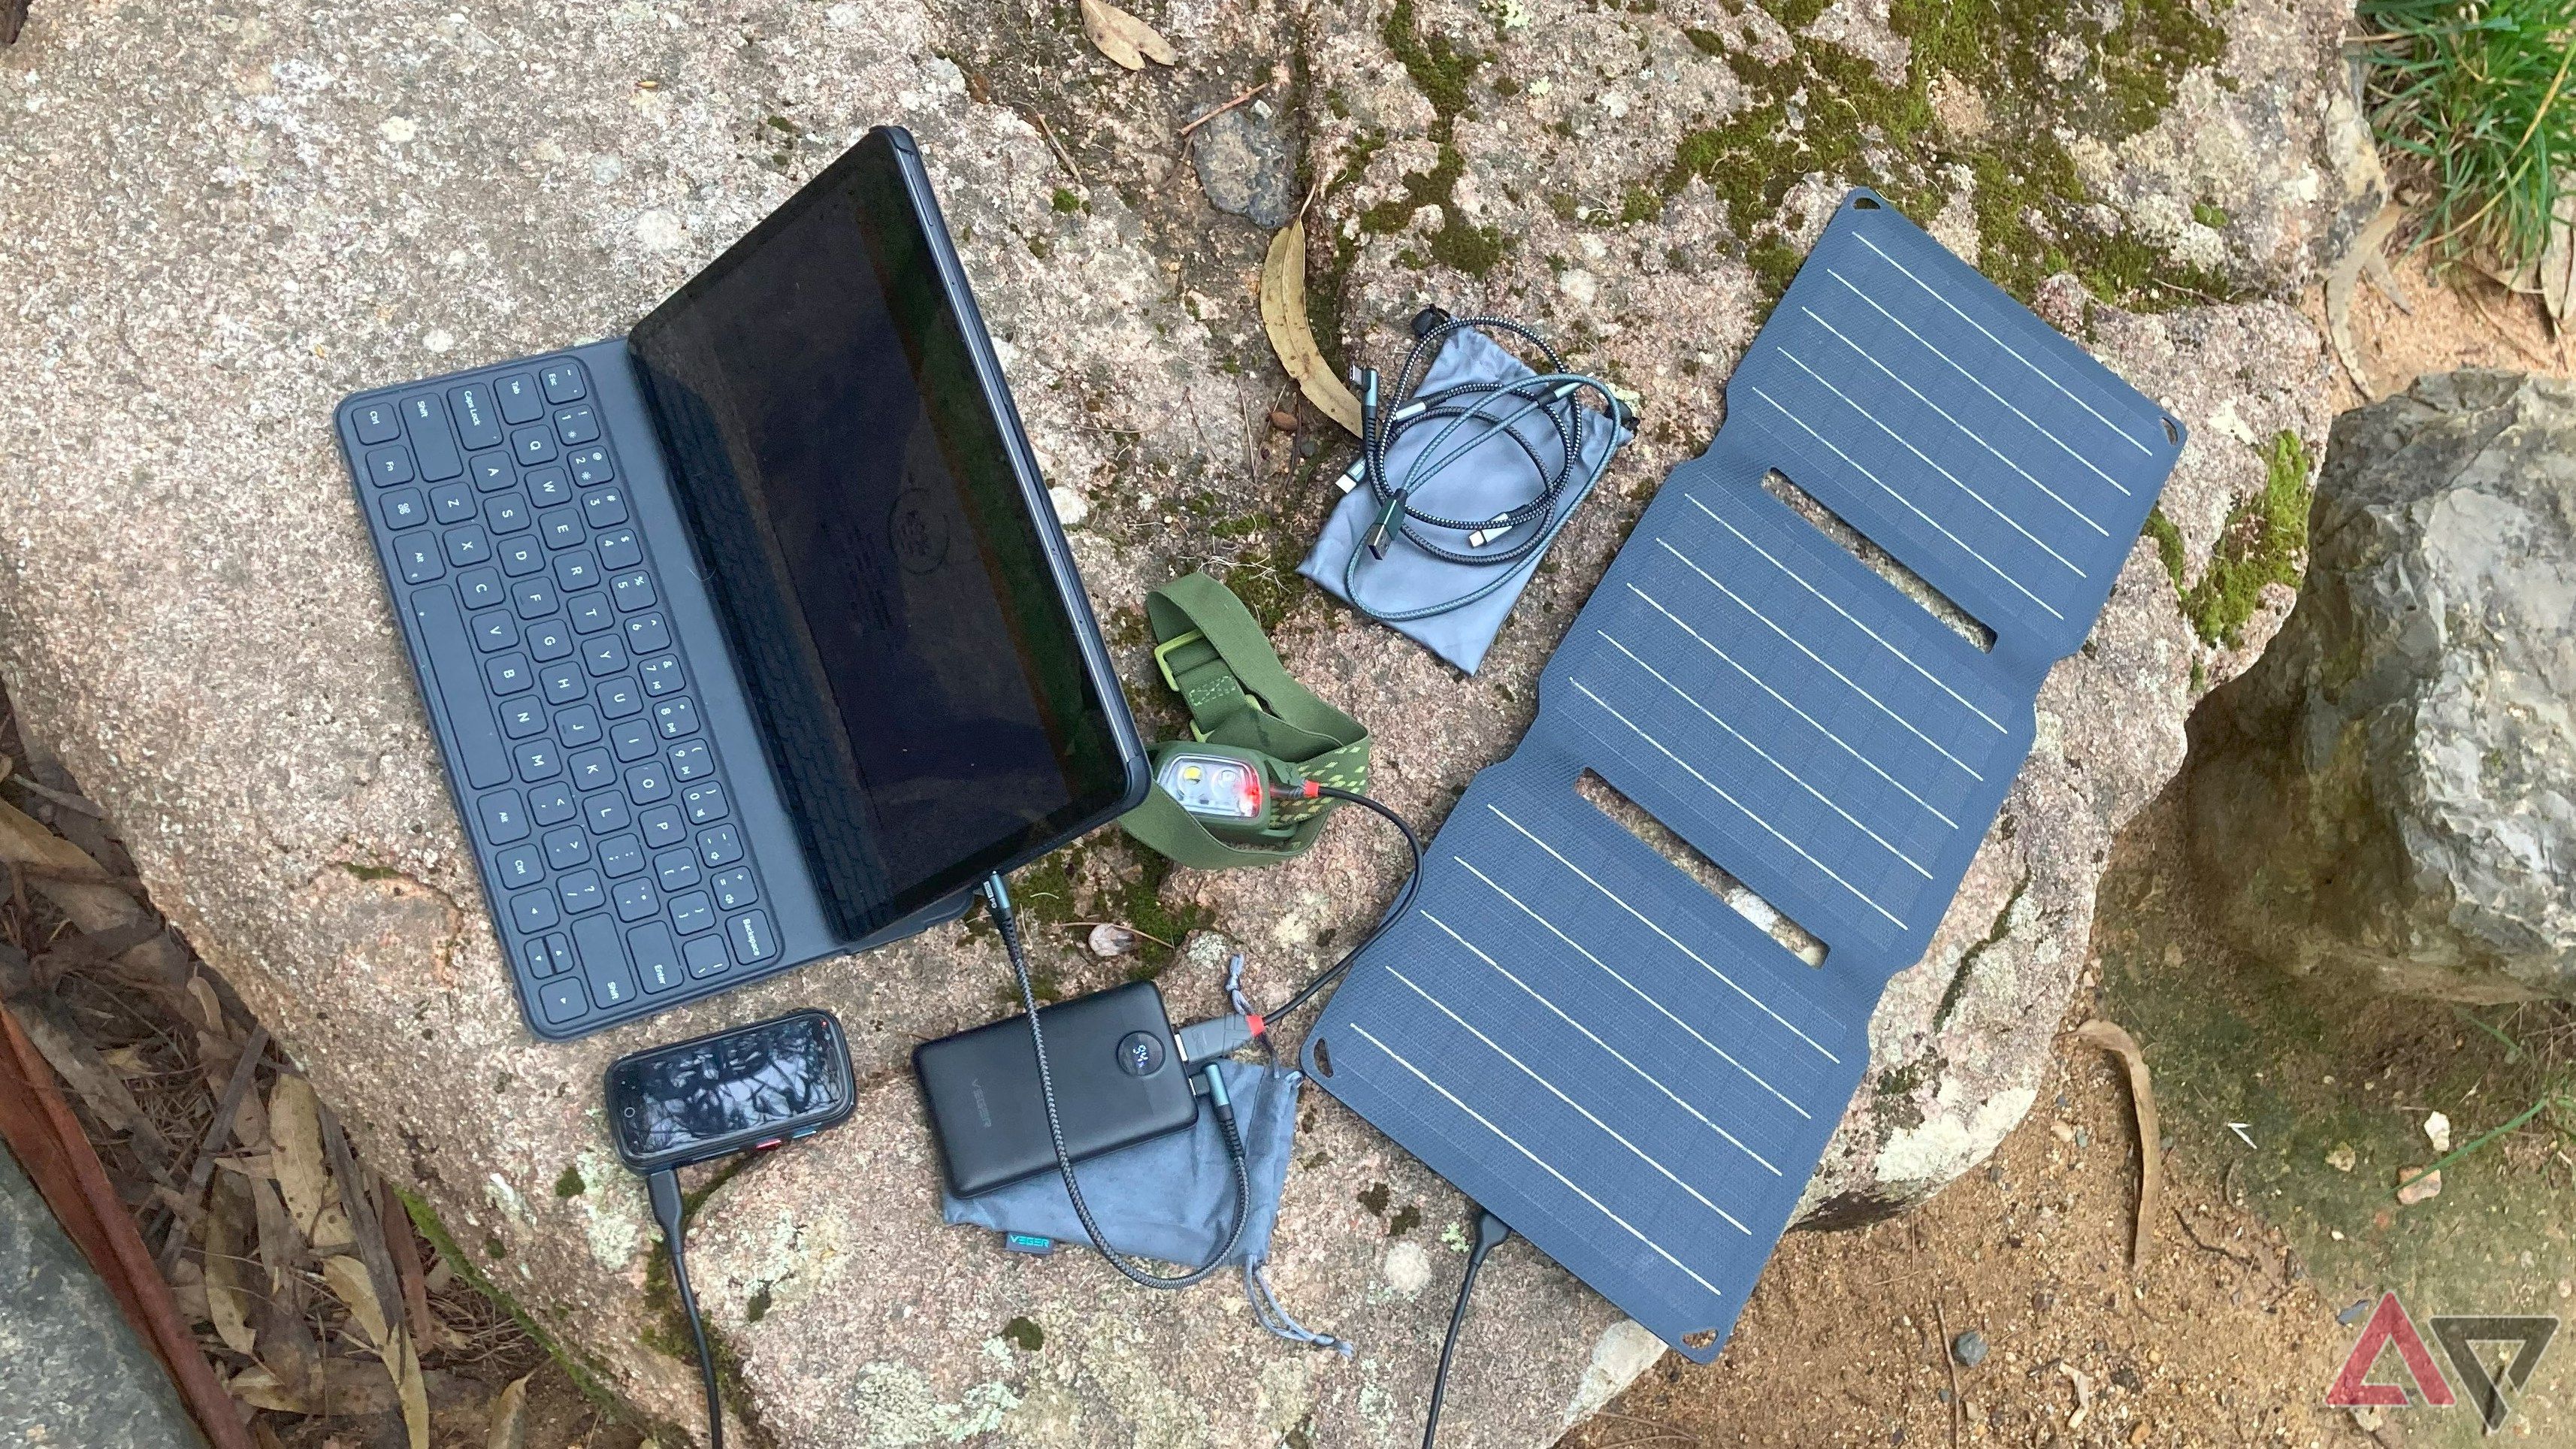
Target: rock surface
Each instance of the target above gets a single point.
(2386, 794)
(216, 224)
(77, 1374)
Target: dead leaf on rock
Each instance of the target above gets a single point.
(1124, 38)
(1283, 316)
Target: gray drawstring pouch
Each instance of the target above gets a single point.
(1492, 476)
(1172, 1197)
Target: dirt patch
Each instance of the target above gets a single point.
(2421, 325)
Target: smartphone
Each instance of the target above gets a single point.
(729, 1091)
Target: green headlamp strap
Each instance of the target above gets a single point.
(1215, 657)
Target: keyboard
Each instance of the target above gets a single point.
(599, 807)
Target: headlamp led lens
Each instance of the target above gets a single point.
(1213, 785)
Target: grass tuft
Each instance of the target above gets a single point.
(2475, 95)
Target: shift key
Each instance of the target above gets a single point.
(458, 680)
(433, 442)
(603, 959)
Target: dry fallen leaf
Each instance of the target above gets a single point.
(411, 1388)
(348, 1281)
(510, 1417)
(295, 1122)
(227, 1305)
(2151, 1153)
(1283, 316)
(2341, 281)
(1124, 38)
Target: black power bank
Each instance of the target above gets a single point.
(1118, 1081)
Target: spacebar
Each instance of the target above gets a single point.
(451, 669)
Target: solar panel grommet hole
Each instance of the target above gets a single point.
(1323, 1058)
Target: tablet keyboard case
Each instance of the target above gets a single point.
(1569, 1028)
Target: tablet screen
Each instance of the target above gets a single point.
(915, 655)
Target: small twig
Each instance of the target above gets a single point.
(2206, 1246)
(202, 1170)
(1221, 110)
(1057, 146)
(64, 798)
(1950, 1361)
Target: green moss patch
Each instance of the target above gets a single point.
(1823, 109)
(570, 1184)
(2265, 542)
(1025, 1333)
(1440, 70)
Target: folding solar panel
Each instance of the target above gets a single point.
(1569, 1027)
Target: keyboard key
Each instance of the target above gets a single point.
(541, 962)
(549, 486)
(375, 423)
(619, 550)
(535, 598)
(518, 398)
(551, 805)
(403, 508)
(660, 676)
(549, 640)
(657, 957)
(452, 502)
(534, 910)
(470, 730)
(632, 739)
(635, 899)
(647, 783)
(576, 426)
(734, 890)
(577, 726)
(561, 527)
(604, 507)
(480, 588)
(578, 570)
(581, 891)
(561, 1000)
(495, 630)
(634, 591)
(606, 812)
(603, 655)
(677, 870)
(602, 950)
(592, 769)
(490, 472)
(693, 913)
(675, 717)
(508, 674)
(523, 717)
(432, 442)
(521, 556)
(621, 855)
(504, 815)
(521, 866)
(532, 446)
(559, 952)
(567, 848)
(389, 466)
(538, 761)
(507, 512)
(590, 467)
(691, 761)
(647, 634)
(705, 956)
(468, 546)
(564, 683)
(476, 423)
(563, 382)
(705, 803)
(590, 611)
(662, 826)
(719, 846)
(750, 937)
(618, 699)
(418, 554)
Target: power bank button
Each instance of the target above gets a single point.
(1140, 1054)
